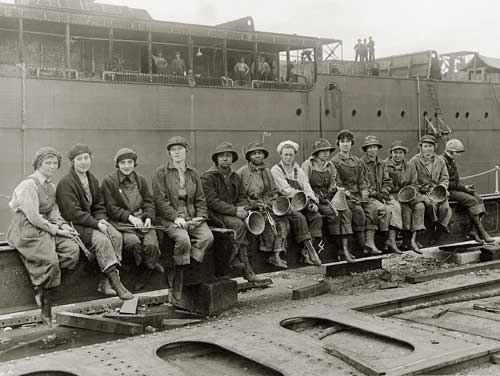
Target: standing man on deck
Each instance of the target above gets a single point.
(466, 195)
(178, 65)
(371, 49)
(358, 47)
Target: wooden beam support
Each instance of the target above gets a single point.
(336, 269)
(20, 40)
(424, 277)
(353, 360)
(98, 323)
(150, 53)
(224, 57)
(179, 323)
(311, 291)
(190, 44)
(287, 64)
(110, 48)
(68, 47)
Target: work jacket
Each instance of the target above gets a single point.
(455, 183)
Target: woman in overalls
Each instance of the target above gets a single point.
(38, 231)
(131, 210)
(306, 224)
(323, 179)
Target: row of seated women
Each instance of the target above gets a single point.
(50, 226)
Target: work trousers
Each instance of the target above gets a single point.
(391, 217)
(193, 242)
(143, 246)
(442, 210)
(305, 224)
(337, 224)
(271, 242)
(473, 202)
(107, 248)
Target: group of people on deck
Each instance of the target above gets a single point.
(52, 225)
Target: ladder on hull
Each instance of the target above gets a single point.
(435, 123)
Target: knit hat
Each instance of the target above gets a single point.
(254, 146)
(371, 140)
(429, 139)
(345, 133)
(43, 153)
(398, 145)
(78, 149)
(125, 153)
(321, 144)
(177, 140)
(290, 143)
(223, 148)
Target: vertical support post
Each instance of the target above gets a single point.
(254, 75)
(20, 40)
(93, 57)
(278, 67)
(190, 52)
(475, 61)
(224, 56)
(68, 47)
(318, 56)
(288, 63)
(496, 179)
(110, 49)
(150, 52)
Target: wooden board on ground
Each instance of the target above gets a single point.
(98, 323)
(130, 306)
(245, 286)
(351, 359)
(147, 318)
(340, 268)
(310, 291)
(423, 277)
(178, 323)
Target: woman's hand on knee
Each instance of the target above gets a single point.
(137, 222)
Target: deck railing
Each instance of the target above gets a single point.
(494, 169)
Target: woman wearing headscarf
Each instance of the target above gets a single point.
(80, 200)
(38, 231)
(131, 210)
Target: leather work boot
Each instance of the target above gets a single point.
(391, 242)
(346, 253)
(480, 229)
(414, 244)
(178, 282)
(248, 273)
(370, 243)
(276, 260)
(474, 235)
(46, 309)
(311, 252)
(38, 296)
(114, 279)
(361, 238)
(143, 279)
(104, 286)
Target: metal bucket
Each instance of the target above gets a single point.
(298, 201)
(255, 223)
(339, 201)
(438, 193)
(281, 206)
(407, 194)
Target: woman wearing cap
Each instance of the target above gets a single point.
(290, 179)
(432, 171)
(131, 210)
(261, 191)
(182, 209)
(38, 231)
(388, 210)
(323, 179)
(81, 202)
(399, 173)
(353, 181)
(227, 204)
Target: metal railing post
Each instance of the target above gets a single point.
(496, 179)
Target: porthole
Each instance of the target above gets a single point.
(467, 115)
(403, 113)
(354, 112)
(379, 113)
(327, 112)
(298, 112)
(457, 115)
(486, 115)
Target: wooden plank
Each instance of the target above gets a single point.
(310, 291)
(153, 319)
(350, 359)
(178, 323)
(337, 269)
(130, 306)
(244, 286)
(423, 277)
(98, 323)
